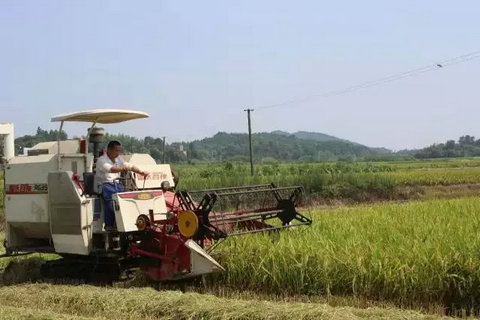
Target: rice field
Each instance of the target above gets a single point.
(337, 180)
(419, 255)
(412, 254)
(432, 177)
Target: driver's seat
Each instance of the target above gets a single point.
(92, 185)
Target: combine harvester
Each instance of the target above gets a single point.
(53, 204)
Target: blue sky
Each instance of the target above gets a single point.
(195, 65)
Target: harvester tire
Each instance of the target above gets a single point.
(24, 270)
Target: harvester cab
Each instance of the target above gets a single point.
(53, 203)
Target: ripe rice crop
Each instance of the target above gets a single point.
(355, 181)
(442, 176)
(434, 163)
(412, 253)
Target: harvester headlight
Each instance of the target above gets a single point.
(142, 222)
(165, 185)
(187, 223)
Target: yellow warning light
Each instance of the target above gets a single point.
(187, 223)
(144, 196)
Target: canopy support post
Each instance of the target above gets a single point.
(59, 161)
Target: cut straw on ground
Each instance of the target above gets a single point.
(97, 302)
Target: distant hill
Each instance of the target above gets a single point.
(316, 136)
(277, 145)
(282, 133)
(280, 145)
(305, 135)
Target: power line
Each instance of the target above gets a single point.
(394, 77)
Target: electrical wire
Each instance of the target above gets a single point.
(394, 77)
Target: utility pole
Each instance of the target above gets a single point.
(250, 139)
(163, 150)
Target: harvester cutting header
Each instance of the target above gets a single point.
(57, 200)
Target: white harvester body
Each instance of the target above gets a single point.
(47, 208)
(7, 141)
(31, 200)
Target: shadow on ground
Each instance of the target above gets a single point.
(32, 269)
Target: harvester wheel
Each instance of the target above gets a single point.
(24, 270)
(187, 223)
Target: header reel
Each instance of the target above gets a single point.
(240, 210)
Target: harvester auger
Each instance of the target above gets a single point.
(53, 203)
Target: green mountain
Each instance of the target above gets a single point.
(306, 135)
(316, 136)
(277, 145)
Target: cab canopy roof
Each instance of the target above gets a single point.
(102, 116)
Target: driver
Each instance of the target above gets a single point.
(108, 169)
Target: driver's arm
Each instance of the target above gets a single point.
(117, 169)
(125, 167)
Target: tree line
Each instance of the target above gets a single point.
(466, 146)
